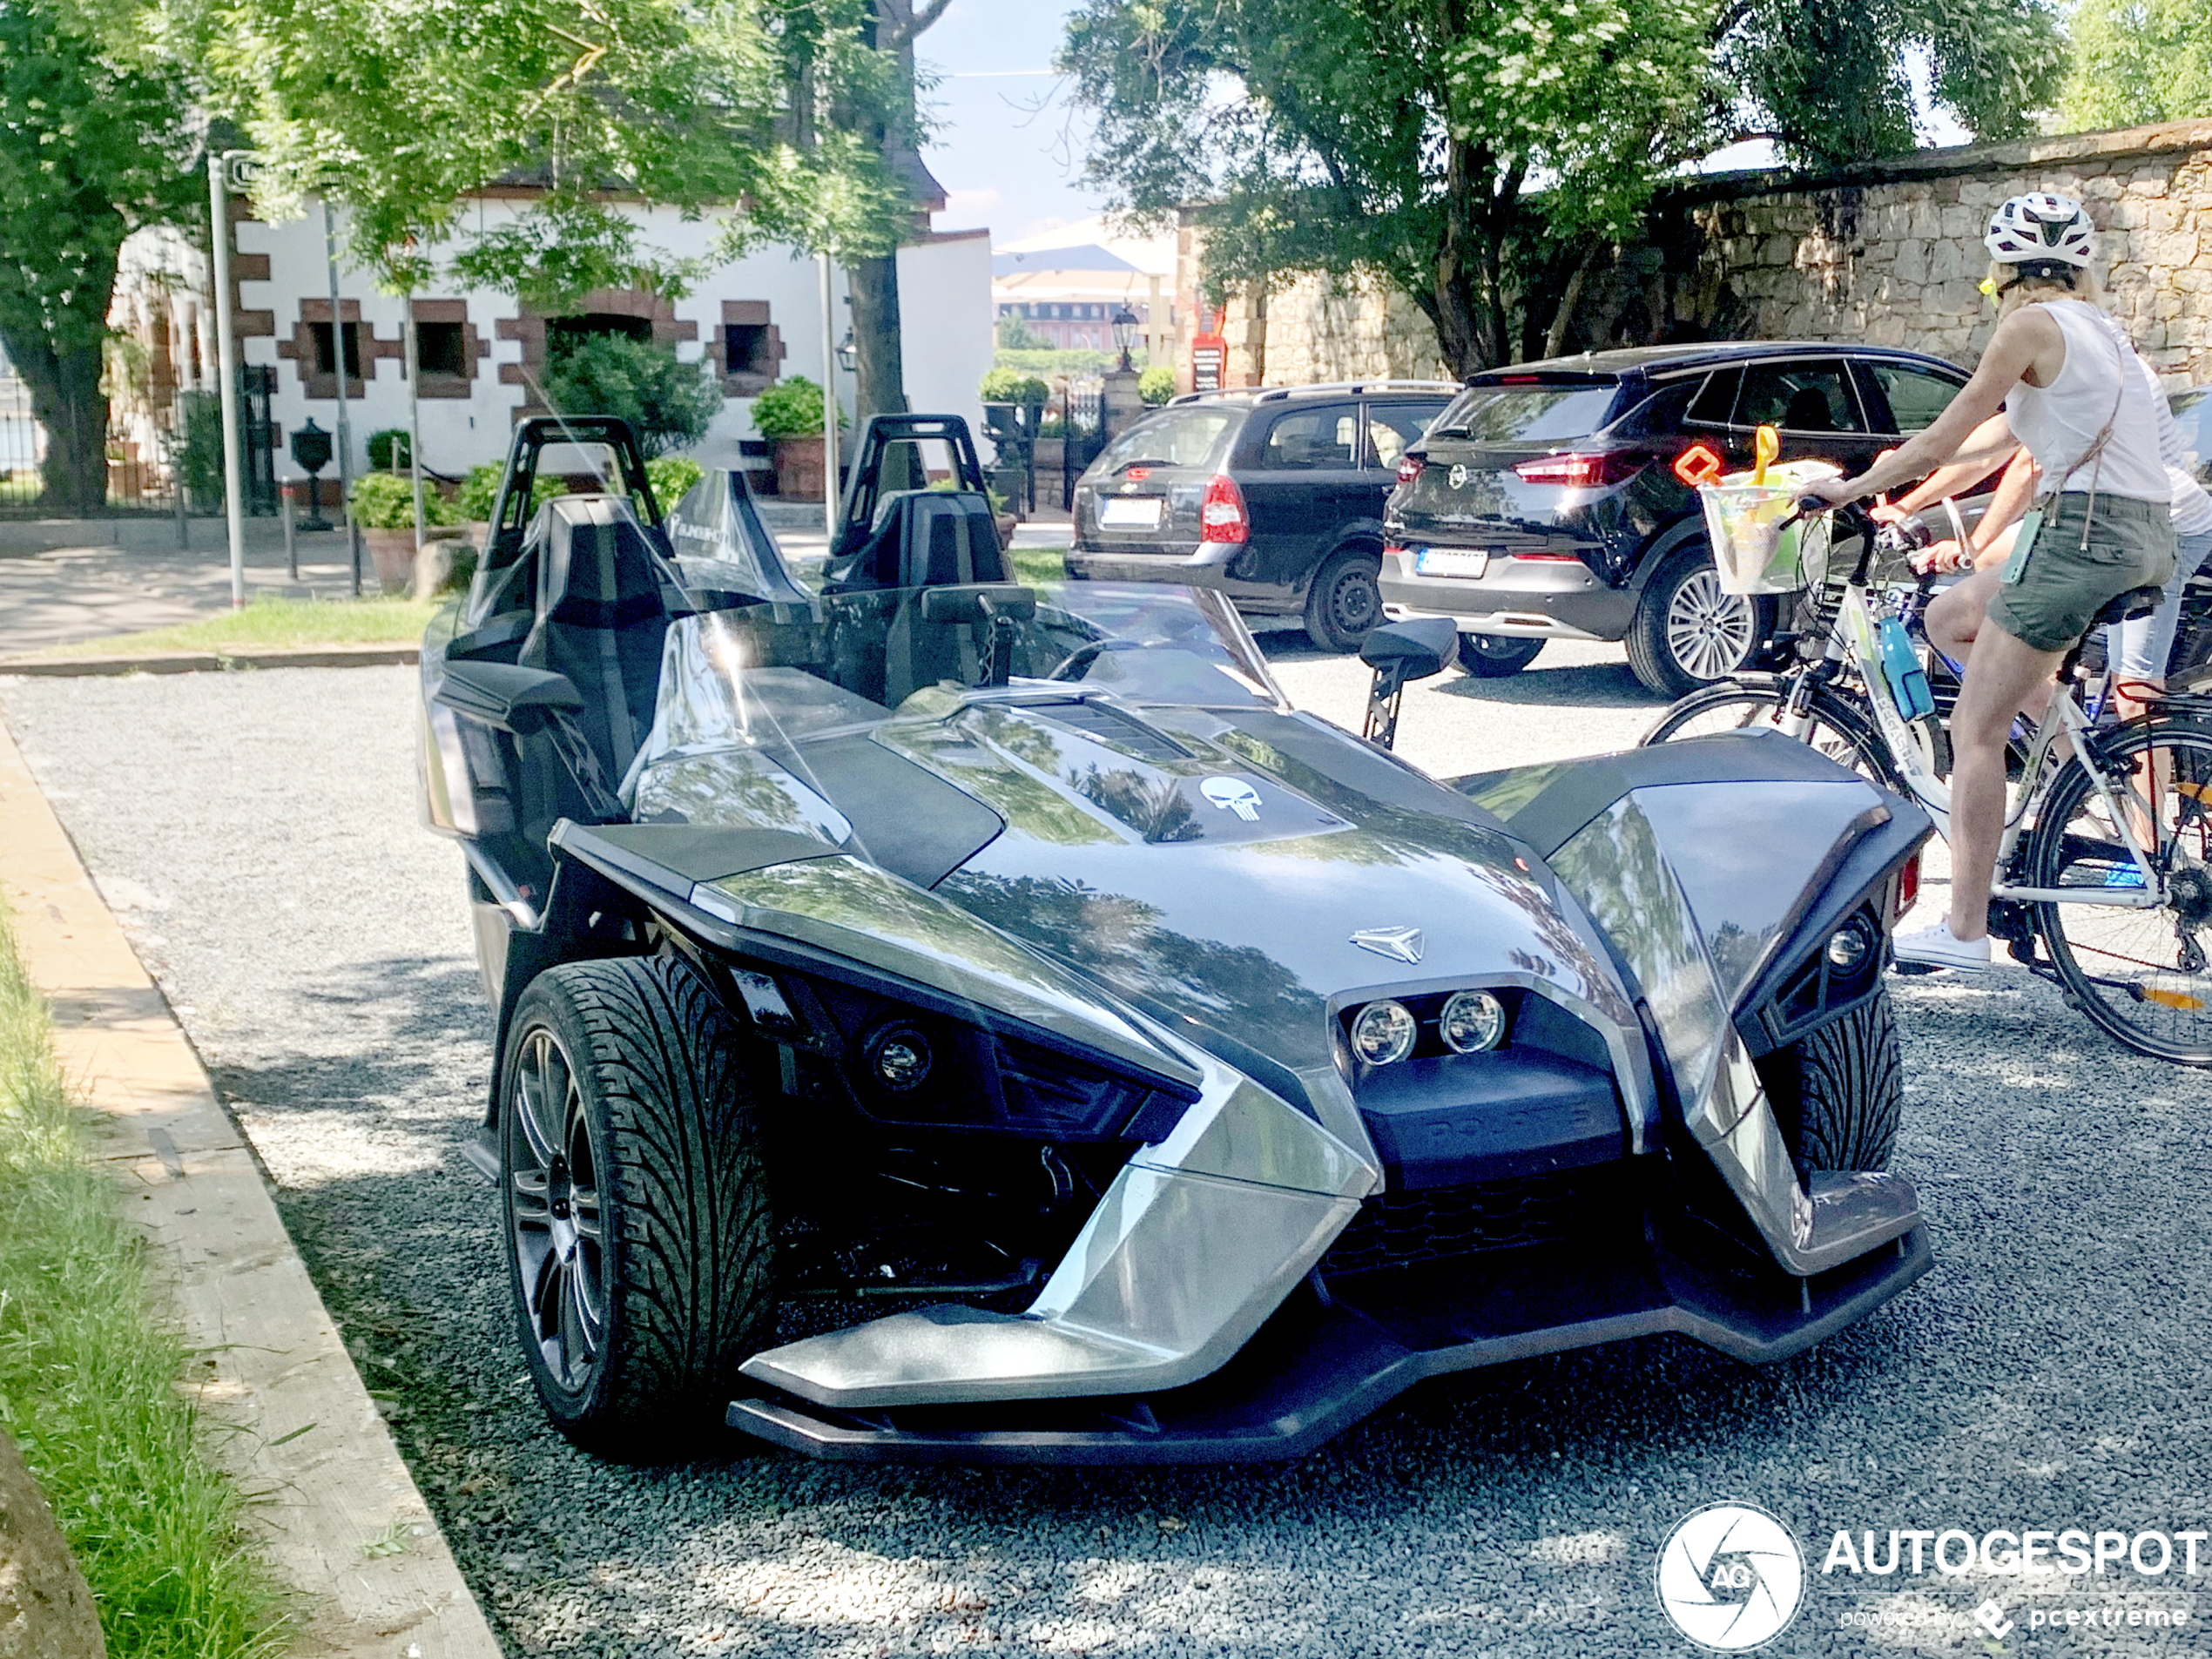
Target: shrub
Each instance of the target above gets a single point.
(1011, 386)
(669, 404)
(672, 477)
(388, 451)
(1157, 385)
(479, 490)
(791, 408)
(384, 501)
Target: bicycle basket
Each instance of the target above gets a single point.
(1757, 545)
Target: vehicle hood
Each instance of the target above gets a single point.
(1214, 868)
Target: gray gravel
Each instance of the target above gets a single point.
(258, 834)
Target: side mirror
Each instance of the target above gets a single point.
(1399, 651)
(506, 696)
(1416, 649)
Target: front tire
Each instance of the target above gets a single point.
(1838, 1093)
(1686, 633)
(1494, 656)
(1345, 599)
(639, 1239)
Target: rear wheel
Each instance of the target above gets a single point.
(639, 1239)
(1839, 1092)
(1345, 600)
(1686, 633)
(2140, 974)
(1836, 729)
(1494, 656)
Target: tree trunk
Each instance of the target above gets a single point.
(1454, 303)
(874, 287)
(1555, 339)
(66, 400)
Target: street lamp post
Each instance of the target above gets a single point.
(1124, 321)
(219, 164)
(345, 433)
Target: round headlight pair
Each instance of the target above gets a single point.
(1384, 1033)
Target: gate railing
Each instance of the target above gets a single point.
(186, 441)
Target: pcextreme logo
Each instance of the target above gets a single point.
(1731, 1577)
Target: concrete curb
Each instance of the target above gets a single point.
(213, 662)
(344, 1526)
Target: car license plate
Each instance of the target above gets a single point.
(1130, 513)
(1451, 561)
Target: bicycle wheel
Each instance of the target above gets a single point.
(1838, 729)
(2141, 974)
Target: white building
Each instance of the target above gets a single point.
(483, 354)
(1065, 285)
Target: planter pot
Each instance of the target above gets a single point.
(393, 554)
(798, 468)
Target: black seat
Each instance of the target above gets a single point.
(2136, 602)
(603, 597)
(881, 646)
(1809, 411)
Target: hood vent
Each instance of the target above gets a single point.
(1117, 730)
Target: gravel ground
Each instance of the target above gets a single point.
(257, 832)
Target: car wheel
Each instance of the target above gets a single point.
(1345, 600)
(1494, 656)
(639, 1240)
(1839, 1092)
(1686, 633)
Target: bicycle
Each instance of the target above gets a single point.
(2117, 886)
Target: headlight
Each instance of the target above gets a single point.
(1849, 947)
(1472, 1020)
(899, 1057)
(1382, 1032)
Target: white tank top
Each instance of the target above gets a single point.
(2059, 423)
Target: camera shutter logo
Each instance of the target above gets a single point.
(1731, 1577)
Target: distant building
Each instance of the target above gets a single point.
(1066, 284)
(482, 356)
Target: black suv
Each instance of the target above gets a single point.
(1274, 496)
(1555, 500)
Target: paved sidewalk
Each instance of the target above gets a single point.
(342, 1521)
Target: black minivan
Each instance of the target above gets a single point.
(1557, 499)
(1274, 496)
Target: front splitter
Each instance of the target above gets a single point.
(1332, 1356)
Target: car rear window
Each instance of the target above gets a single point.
(1543, 411)
(1189, 436)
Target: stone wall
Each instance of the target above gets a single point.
(1888, 253)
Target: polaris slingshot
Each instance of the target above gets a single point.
(945, 1019)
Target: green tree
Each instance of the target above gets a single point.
(1482, 155)
(668, 403)
(90, 151)
(2138, 61)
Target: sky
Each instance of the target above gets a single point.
(1003, 151)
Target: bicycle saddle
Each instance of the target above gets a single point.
(2136, 602)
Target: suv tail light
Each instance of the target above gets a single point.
(1581, 472)
(1221, 516)
(1409, 468)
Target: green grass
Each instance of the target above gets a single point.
(271, 623)
(1035, 565)
(88, 1381)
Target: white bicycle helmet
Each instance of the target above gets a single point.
(2041, 230)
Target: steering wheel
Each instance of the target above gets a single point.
(1083, 656)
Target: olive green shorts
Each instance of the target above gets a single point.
(2064, 584)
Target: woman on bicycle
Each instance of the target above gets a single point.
(2103, 525)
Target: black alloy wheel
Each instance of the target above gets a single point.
(1345, 600)
(1494, 656)
(639, 1239)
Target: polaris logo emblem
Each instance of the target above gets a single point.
(1399, 944)
(1232, 795)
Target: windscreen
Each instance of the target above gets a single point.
(1539, 412)
(1187, 436)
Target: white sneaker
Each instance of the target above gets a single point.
(1937, 947)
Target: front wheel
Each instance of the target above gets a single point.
(1345, 600)
(1686, 633)
(1838, 1093)
(1494, 656)
(639, 1240)
(1834, 727)
(2140, 974)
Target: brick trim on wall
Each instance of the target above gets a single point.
(300, 349)
(767, 365)
(474, 348)
(528, 327)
